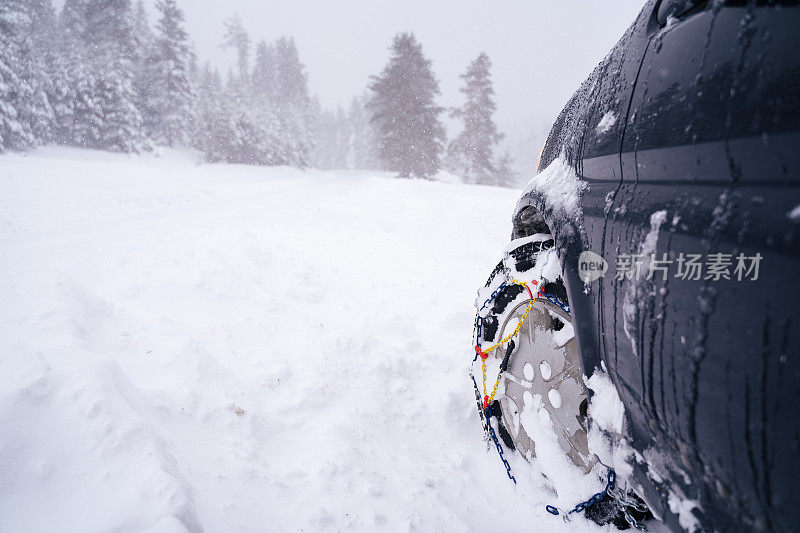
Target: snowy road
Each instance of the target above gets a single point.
(223, 348)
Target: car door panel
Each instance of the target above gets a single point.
(711, 140)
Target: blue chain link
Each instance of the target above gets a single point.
(493, 296)
(487, 423)
(554, 300)
(476, 333)
(596, 497)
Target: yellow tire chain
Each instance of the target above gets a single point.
(487, 399)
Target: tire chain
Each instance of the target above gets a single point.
(620, 498)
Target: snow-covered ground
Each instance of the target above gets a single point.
(220, 348)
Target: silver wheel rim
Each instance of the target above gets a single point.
(562, 391)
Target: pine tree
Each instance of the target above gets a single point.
(52, 64)
(100, 46)
(239, 127)
(66, 71)
(410, 135)
(25, 112)
(207, 134)
(236, 37)
(264, 72)
(40, 46)
(121, 129)
(12, 131)
(79, 116)
(470, 153)
(235, 133)
(171, 90)
(256, 130)
(293, 105)
(143, 46)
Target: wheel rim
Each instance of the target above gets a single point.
(545, 362)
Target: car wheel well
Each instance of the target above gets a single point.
(527, 222)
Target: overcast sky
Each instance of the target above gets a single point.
(541, 50)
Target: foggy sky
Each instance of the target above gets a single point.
(541, 50)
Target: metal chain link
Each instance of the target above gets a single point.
(625, 503)
(596, 497)
(554, 300)
(489, 430)
(494, 294)
(619, 496)
(622, 502)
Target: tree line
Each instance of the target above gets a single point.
(98, 75)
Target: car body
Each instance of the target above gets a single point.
(686, 140)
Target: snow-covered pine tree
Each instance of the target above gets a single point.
(243, 123)
(233, 122)
(470, 153)
(236, 37)
(13, 134)
(67, 74)
(110, 24)
(256, 135)
(172, 92)
(41, 46)
(60, 94)
(293, 105)
(25, 113)
(291, 78)
(402, 106)
(49, 45)
(78, 113)
(238, 128)
(262, 98)
(264, 72)
(142, 59)
(211, 130)
(267, 146)
(100, 48)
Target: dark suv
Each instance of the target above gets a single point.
(677, 164)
